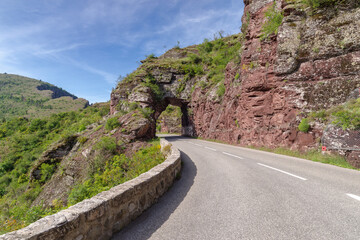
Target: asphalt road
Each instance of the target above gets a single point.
(227, 192)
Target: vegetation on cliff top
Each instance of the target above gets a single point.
(316, 5)
(209, 58)
(273, 21)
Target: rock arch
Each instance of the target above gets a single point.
(187, 128)
(161, 90)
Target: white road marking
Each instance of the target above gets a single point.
(353, 196)
(212, 149)
(197, 145)
(232, 155)
(293, 175)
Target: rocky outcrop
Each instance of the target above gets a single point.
(53, 155)
(74, 157)
(313, 62)
(345, 142)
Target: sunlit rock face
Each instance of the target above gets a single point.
(312, 63)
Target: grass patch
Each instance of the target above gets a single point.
(221, 90)
(313, 155)
(346, 116)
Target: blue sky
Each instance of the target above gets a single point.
(84, 45)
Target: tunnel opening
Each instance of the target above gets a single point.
(174, 116)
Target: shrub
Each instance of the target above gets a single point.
(206, 46)
(146, 112)
(304, 125)
(106, 144)
(221, 90)
(320, 3)
(347, 119)
(82, 140)
(194, 58)
(82, 127)
(47, 171)
(112, 123)
(151, 56)
(133, 106)
(273, 22)
(150, 82)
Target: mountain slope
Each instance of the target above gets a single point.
(22, 96)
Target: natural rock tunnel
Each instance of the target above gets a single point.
(155, 90)
(187, 128)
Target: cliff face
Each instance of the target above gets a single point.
(312, 63)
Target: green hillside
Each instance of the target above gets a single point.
(26, 97)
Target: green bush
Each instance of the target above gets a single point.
(320, 3)
(194, 58)
(221, 90)
(150, 82)
(273, 22)
(83, 140)
(304, 125)
(150, 56)
(106, 144)
(146, 112)
(133, 106)
(206, 46)
(47, 171)
(82, 128)
(347, 119)
(112, 123)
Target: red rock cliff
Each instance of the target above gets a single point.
(313, 62)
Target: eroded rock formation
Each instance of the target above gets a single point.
(74, 158)
(312, 63)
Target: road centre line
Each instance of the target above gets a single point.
(229, 154)
(293, 175)
(212, 149)
(353, 196)
(197, 145)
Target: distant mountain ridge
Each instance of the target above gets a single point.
(57, 92)
(27, 97)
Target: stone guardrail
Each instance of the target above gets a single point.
(108, 212)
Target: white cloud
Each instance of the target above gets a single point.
(58, 50)
(59, 31)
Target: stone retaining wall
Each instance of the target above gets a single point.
(108, 212)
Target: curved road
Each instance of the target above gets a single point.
(228, 192)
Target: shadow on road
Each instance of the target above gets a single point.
(153, 218)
